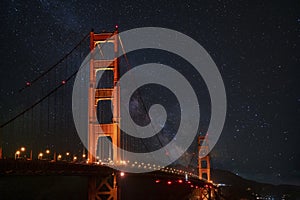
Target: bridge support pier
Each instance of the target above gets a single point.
(102, 188)
(204, 193)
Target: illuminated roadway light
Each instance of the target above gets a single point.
(40, 156)
(122, 174)
(47, 151)
(68, 153)
(23, 149)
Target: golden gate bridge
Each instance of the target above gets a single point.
(97, 161)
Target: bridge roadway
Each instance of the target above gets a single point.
(45, 167)
(160, 184)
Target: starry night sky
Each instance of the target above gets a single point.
(255, 45)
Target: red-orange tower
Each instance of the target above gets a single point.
(95, 95)
(203, 162)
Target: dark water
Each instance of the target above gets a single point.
(75, 187)
(43, 187)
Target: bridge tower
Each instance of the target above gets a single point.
(203, 162)
(95, 95)
(103, 187)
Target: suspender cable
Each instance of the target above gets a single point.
(38, 101)
(139, 95)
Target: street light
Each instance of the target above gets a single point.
(47, 151)
(23, 149)
(17, 154)
(74, 158)
(59, 157)
(40, 156)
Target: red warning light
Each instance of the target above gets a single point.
(117, 26)
(179, 181)
(157, 181)
(63, 82)
(169, 182)
(28, 84)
